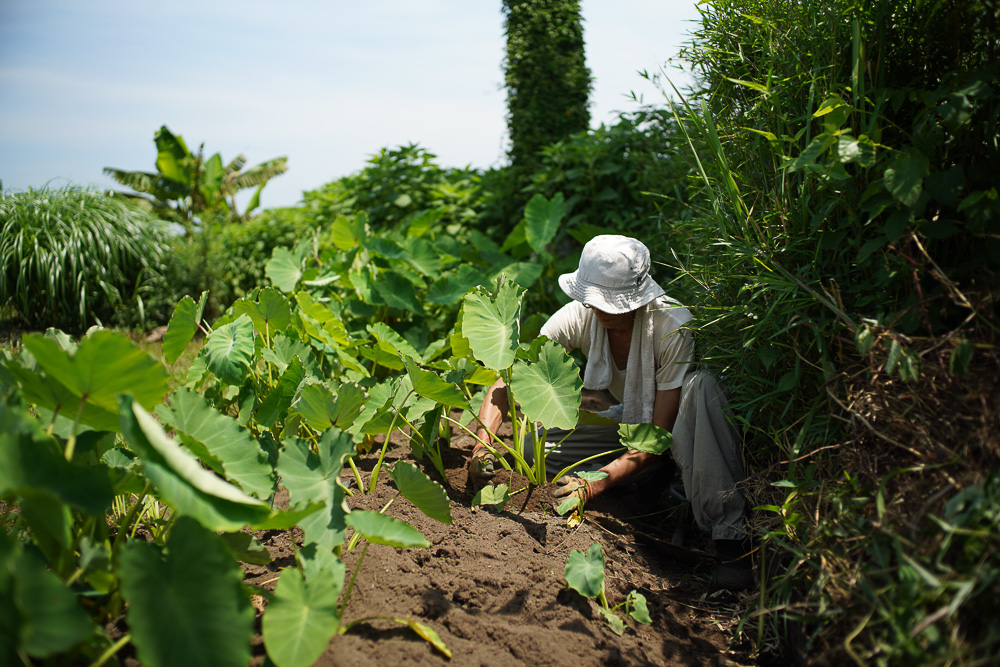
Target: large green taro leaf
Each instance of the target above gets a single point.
(320, 409)
(381, 529)
(397, 292)
(232, 447)
(450, 288)
(311, 477)
(490, 323)
(300, 619)
(542, 218)
(284, 269)
(191, 489)
(391, 343)
(182, 327)
(31, 462)
(186, 604)
(548, 390)
(426, 494)
(269, 313)
(429, 385)
(229, 351)
(584, 572)
(180, 330)
(105, 365)
(275, 405)
(326, 318)
(423, 256)
(38, 614)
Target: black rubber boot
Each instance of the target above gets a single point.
(734, 564)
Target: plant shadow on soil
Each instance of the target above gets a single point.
(492, 585)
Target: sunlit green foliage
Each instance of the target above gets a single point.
(71, 257)
(844, 229)
(546, 76)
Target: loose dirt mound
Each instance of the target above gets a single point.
(492, 586)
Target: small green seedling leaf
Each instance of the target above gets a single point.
(584, 572)
(572, 502)
(961, 357)
(427, 633)
(864, 340)
(490, 495)
(636, 602)
(591, 476)
(895, 354)
(616, 624)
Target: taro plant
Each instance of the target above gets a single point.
(584, 573)
(541, 378)
(542, 382)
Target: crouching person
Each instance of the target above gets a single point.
(633, 338)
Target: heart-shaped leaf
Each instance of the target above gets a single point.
(229, 351)
(548, 390)
(186, 604)
(585, 571)
(490, 323)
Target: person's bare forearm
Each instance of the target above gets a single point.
(492, 412)
(620, 470)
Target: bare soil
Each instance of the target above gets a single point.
(492, 585)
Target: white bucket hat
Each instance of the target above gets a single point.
(613, 275)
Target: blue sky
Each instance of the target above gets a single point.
(84, 85)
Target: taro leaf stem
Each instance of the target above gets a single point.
(350, 587)
(114, 648)
(385, 446)
(357, 475)
(71, 441)
(127, 520)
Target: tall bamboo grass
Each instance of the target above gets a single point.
(71, 257)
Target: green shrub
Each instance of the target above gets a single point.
(73, 257)
(233, 262)
(844, 240)
(396, 184)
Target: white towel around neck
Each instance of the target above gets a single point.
(640, 370)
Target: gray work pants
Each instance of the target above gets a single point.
(705, 447)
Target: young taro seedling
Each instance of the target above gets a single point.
(585, 575)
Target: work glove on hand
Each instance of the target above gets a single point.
(569, 486)
(482, 466)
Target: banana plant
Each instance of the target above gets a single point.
(185, 185)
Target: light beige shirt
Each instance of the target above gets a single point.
(571, 326)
